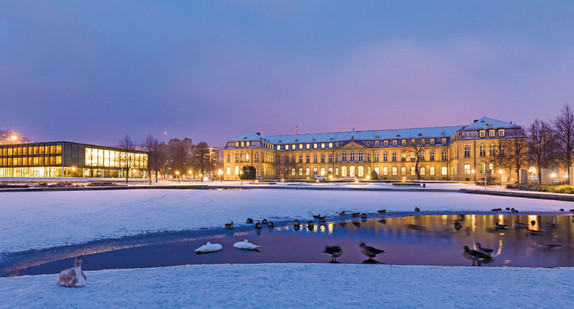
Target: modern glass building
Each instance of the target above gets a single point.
(67, 159)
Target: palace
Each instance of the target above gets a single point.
(459, 153)
(67, 159)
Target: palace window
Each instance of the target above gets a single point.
(322, 171)
(385, 156)
(308, 146)
(307, 159)
(444, 170)
(352, 158)
(330, 145)
(491, 133)
(443, 140)
(404, 142)
(492, 149)
(403, 171)
(376, 143)
(482, 150)
(314, 158)
(315, 146)
(300, 146)
(394, 156)
(376, 157)
(330, 158)
(467, 151)
(292, 172)
(300, 171)
(307, 171)
(501, 133)
(322, 158)
(413, 171)
(467, 169)
(314, 171)
(293, 160)
(431, 170)
(236, 157)
(228, 158)
(278, 147)
(444, 155)
(360, 157)
(423, 171)
(344, 157)
(385, 171)
(360, 173)
(247, 157)
(412, 156)
(395, 142)
(322, 145)
(386, 143)
(431, 155)
(432, 141)
(300, 159)
(482, 133)
(352, 171)
(344, 171)
(403, 156)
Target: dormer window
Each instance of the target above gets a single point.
(247, 144)
(308, 146)
(395, 142)
(322, 145)
(482, 133)
(286, 147)
(501, 133)
(330, 145)
(386, 143)
(242, 144)
(278, 147)
(432, 141)
(491, 133)
(236, 144)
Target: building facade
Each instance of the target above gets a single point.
(67, 159)
(459, 153)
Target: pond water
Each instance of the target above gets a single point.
(423, 239)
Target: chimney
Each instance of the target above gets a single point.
(258, 133)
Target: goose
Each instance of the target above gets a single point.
(208, 248)
(519, 225)
(561, 209)
(370, 252)
(382, 211)
(245, 245)
(417, 209)
(364, 216)
(537, 232)
(484, 250)
(264, 221)
(229, 225)
(457, 225)
(73, 277)
(476, 256)
(316, 217)
(334, 252)
(533, 222)
(355, 215)
(496, 209)
(310, 225)
(258, 225)
(296, 224)
(249, 221)
(322, 219)
(270, 224)
(343, 214)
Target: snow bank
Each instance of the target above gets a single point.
(37, 220)
(294, 285)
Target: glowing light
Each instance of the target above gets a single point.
(205, 178)
(500, 172)
(14, 138)
(553, 175)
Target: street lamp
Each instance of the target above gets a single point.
(474, 173)
(74, 175)
(500, 172)
(189, 172)
(14, 138)
(220, 173)
(177, 175)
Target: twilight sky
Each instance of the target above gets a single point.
(94, 71)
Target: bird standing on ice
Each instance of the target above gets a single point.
(334, 252)
(370, 252)
(73, 277)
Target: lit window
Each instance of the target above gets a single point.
(413, 171)
(322, 145)
(385, 171)
(491, 133)
(286, 147)
(443, 170)
(403, 171)
(315, 145)
(308, 146)
(344, 171)
(431, 170)
(330, 145)
(229, 171)
(360, 171)
(352, 171)
(501, 133)
(467, 169)
(307, 171)
(423, 171)
(482, 133)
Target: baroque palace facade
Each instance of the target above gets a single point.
(459, 153)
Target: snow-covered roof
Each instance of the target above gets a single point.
(431, 132)
(489, 123)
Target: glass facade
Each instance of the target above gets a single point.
(66, 159)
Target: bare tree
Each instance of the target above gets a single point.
(417, 149)
(516, 144)
(179, 155)
(541, 146)
(151, 146)
(564, 129)
(202, 158)
(126, 143)
(281, 165)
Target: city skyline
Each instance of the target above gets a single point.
(92, 72)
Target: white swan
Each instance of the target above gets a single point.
(73, 277)
(209, 247)
(245, 245)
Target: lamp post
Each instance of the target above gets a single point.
(14, 138)
(500, 172)
(220, 173)
(189, 172)
(474, 173)
(177, 175)
(74, 175)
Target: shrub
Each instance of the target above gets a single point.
(374, 176)
(248, 172)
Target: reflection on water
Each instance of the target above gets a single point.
(525, 240)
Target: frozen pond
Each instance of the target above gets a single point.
(429, 239)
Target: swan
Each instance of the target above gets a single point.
(208, 248)
(334, 252)
(245, 245)
(73, 277)
(296, 223)
(370, 252)
(457, 225)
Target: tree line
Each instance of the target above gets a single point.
(178, 158)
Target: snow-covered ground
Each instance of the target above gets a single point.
(36, 220)
(299, 285)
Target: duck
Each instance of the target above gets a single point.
(496, 209)
(364, 216)
(270, 224)
(249, 221)
(457, 225)
(264, 221)
(533, 222)
(484, 250)
(476, 256)
(519, 225)
(322, 219)
(561, 209)
(355, 215)
(370, 252)
(245, 245)
(417, 209)
(501, 226)
(73, 277)
(310, 225)
(229, 225)
(296, 224)
(382, 211)
(208, 248)
(316, 217)
(343, 213)
(334, 252)
(258, 225)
